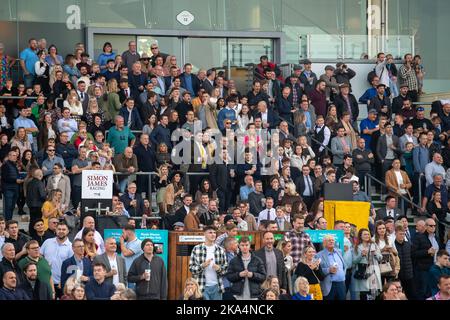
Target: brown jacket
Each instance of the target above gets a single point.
(192, 222)
(391, 182)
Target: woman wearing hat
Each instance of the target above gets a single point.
(145, 63)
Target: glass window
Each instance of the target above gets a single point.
(205, 53)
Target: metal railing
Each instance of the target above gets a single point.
(368, 178)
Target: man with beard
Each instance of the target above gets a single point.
(32, 286)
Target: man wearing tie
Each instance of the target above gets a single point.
(82, 94)
(124, 92)
(268, 213)
(304, 185)
(389, 211)
(404, 222)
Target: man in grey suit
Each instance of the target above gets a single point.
(273, 259)
(115, 264)
(334, 268)
(340, 146)
(388, 147)
(390, 210)
(407, 137)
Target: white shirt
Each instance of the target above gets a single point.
(113, 264)
(390, 212)
(263, 215)
(210, 273)
(399, 177)
(98, 240)
(55, 253)
(264, 116)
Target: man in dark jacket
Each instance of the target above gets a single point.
(97, 288)
(246, 272)
(284, 105)
(9, 291)
(425, 247)
(8, 263)
(149, 274)
(406, 275)
(381, 102)
(273, 259)
(132, 201)
(161, 134)
(75, 263)
(33, 287)
(67, 150)
(10, 184)
(346, 101)
(189, 81)
(146, 159)
(36, 195)
(131, 115)
(221, 176)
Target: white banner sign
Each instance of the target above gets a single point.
(191, 239)
(97, 184)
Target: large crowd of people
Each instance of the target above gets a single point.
(253, 161)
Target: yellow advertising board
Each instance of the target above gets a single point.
(349, 211)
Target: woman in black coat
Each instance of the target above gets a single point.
(246, 272)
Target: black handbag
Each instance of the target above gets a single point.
(361, 271)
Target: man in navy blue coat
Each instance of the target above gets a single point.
(76, 262)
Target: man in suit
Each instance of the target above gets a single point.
(208, 83)
(390, 210)
(381, 102)
(388, 147)
(189, 81)
(346, 101)
(76, 262)
(115, 265)
(132, 201)
(305, 186)
(125, 91)
(168, 80)
(273, 259)
(340, 146)
(181, 213)
(284, 105)
(425, 245)
(82, 94)
(407, 137)
(131, 115)
(310, 114)
(221, 175)
(334, 268)
(268, 116)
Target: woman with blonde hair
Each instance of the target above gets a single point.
(53, 71)
(70, 284)
(20, 140)
(171, 61)
(272, 282)
(366, 278)
(93, 109)
(192, 221)
(73, 103)
(111, 100)
(310, 268)
(52, 208)
(191, 290)
(291, 195)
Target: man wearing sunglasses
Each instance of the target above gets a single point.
(426, 246)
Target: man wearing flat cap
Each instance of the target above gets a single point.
(308, 78)
(332, 86)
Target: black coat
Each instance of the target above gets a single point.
(422, 259)
(256, 265)
(36, 193)
(300, 184)
(341, 106)
(261, 253)
(41, 290)
(9, 173)
(133, 211)
(219, 175)
(405, 253)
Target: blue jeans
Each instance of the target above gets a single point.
(212, 293)
(337, 291)
(10, 196)
(28, 80)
